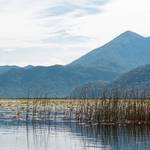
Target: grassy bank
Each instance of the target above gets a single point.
(102, 111)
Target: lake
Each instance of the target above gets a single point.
(48, 129)
(59, 135)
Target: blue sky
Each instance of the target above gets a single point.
(47, 32)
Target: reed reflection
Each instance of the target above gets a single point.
(88, 136)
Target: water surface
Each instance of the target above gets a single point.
(72, 136)
(55, 133)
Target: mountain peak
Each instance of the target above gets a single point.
(129, 32)
(122, 54)
(130, 35)
(28, 66)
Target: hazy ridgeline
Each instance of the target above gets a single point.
(111, 93)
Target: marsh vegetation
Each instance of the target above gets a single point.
(99, 111)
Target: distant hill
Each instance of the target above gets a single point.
(136, 78)
(128, 51)
(54, 81)
(89, 90)
(135, 83)
(4, 69)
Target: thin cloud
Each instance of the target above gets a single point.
(89, 7)
(25, 23)
(49, 31)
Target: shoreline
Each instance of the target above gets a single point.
(92, 111)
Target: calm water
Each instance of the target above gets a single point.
(72, 136)
(57, 134)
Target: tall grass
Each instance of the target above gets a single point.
(101, 111)
(114, 111)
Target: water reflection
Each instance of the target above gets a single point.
(72, 136)
(118, 138)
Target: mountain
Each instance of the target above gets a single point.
(4, 69)
(106, 63)
(89, 90)
(136, 78)
(135, 83)
(28, 67)
(127, 51)
(54, 81)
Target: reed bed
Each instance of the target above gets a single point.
(114, 111)
(99, 111)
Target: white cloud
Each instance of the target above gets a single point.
(26, 23)
(62, 30)
(8, 50)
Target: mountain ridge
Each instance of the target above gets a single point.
(122, 54)
(54, 81)
(135, 83)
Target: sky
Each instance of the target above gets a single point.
(48, 32)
